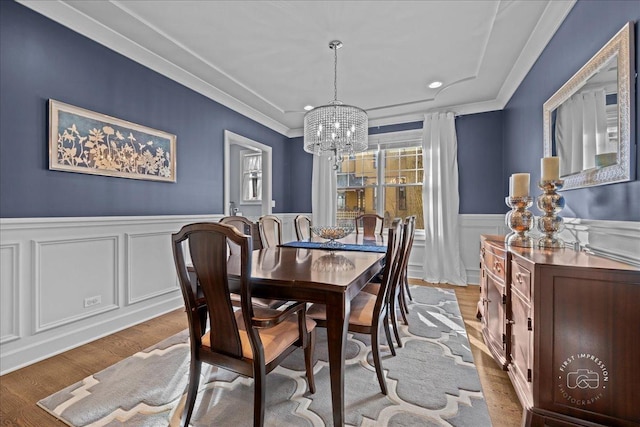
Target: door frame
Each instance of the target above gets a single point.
(230, 139)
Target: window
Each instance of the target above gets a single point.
(386, 179)
(251, 176)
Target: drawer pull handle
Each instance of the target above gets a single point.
(497, 267)
(519, 278)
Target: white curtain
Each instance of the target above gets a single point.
(324, 193)
(442, 260)
(581, 131)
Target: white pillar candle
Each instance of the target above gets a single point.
(550, 168)
(520, 187)
(511, 186)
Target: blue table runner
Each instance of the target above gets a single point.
(343, 247)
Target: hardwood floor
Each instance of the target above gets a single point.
(504, 407)
(21, 389)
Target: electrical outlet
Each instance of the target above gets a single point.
(88, 302)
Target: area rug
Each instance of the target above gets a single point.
(432, 381)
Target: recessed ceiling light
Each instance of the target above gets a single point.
(308, 108)
(435, 84)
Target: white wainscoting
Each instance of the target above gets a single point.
(68, 281)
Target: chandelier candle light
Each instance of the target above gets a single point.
(550, 202)
(520, 220)
(335, 129)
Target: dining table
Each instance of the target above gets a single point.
(329, 276)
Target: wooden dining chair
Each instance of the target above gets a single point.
(302, 224)
(246, 226)
(270, 228)
(400, 286)
(250, 341)
(371, 225)
(411, 218)
(369, 312)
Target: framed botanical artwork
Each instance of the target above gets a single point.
(88, 142)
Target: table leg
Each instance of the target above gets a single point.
(338, 308)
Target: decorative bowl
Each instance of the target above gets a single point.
(332, 233)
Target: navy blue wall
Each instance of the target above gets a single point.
(480, 166)
(40, 59)
(589, 25)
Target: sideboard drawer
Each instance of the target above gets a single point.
(521, 279)
(495, 262)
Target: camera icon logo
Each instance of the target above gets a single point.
(583, 378)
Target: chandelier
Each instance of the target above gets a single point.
(335, 129)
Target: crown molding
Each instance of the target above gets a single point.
(552, 17)
(79, 22)
(65, 14)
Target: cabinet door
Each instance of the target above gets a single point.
(495, 314)
(521, 342)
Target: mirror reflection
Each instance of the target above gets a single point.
(585, 126)
(587, 121)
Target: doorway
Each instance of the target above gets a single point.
(239, 166)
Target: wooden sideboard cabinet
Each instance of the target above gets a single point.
(494, 298)
(573, 326)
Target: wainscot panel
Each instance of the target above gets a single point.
(69, 281)
(151, 271)
(74, 280)
(471, 227)
(10, 263)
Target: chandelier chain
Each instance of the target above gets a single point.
(335, 74)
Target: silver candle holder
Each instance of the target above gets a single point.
(550, 224)
(520, 220)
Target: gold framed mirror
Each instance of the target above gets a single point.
(587, 122)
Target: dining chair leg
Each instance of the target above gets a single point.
(387, 332)
(394, 322)
(192, 391)
(377, 362)
(404, 309)
(259, 380)
(406, 286)
(308, 361)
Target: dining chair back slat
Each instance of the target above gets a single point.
(370, 224)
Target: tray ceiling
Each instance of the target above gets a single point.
(268, 59)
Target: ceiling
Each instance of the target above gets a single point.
(268, 59)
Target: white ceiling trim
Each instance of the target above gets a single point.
(79, 22)
(154, 28)
(553, 15)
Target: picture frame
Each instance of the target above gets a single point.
(84, 141)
